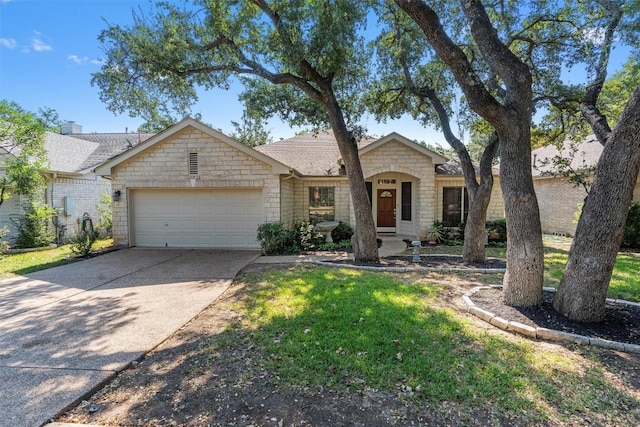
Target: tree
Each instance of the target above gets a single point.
(413, 81)
(251, 131)
(22, 150)
(582, 292)
(508, 109)
(303, 60)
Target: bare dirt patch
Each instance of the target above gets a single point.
(204, 375)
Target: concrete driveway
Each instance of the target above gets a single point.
(66, 330)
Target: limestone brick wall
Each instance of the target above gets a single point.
(287, 197)
(86, 193)
(166, 165)
(397, 157)
(558, 202)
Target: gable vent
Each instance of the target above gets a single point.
(193, 163)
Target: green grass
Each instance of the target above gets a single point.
(350, 330)
(13, 264)
(625, 282)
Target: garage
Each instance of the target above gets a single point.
(196, 218)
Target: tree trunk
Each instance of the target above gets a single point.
(582, 292)
(365, 248)
(473, 248)
(522, 283)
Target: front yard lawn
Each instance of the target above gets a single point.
(12, 264)
(308, 345)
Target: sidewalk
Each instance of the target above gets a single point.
(391, 245)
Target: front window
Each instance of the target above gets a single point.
(322, 204)
(406, 201)
(455, 206)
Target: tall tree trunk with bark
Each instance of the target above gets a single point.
(582, 293)
(365, 239)
(511, 120)
(479, 198)
(522, 283)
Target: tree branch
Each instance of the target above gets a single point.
(588, 106)
(480, 100)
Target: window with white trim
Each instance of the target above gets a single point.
(322, 204)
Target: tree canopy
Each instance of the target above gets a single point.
(303, 60)
(22, 149)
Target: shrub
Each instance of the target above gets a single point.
(306, 236)
(3, 244)
(83, 242)
(434, 233)
(33, 227)
(631, 237)
(497, 229)
(342, 232)
(276, 240)
(105, 212)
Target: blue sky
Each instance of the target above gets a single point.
(49, 49)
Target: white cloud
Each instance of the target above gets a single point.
(78, 60)
(8, 43)
(38, 44)
(82, 60)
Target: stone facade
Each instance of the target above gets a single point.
(84, 193)
(166, 165)
(558, 202)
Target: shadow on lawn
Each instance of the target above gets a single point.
(336, 347)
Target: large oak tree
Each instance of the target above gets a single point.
(508, 109)
(304, 60)
(411, 79)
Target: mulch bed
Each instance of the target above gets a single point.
(621, 323)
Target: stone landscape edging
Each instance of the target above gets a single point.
(416, 268)
(544, 333)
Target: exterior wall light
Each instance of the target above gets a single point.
(116, 195)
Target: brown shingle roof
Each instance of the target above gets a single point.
(309, 154)
(585, 154)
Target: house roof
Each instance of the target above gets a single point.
(104, 169)
(583, 155)
(109, 145)
(318, 154)
(78, 153)
(309, 154)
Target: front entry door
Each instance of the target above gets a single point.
(386, 208)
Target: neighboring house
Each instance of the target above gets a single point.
(558, 199)
(192, 186)
(73, 189)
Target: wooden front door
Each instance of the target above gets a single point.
(386, 208)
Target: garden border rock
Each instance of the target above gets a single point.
(544, 333)
(342, 264)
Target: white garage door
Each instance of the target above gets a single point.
(196, 218)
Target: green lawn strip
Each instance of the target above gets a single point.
(625, 282)
(352, 330)
(12, 264)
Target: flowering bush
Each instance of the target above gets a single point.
(308, 237)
